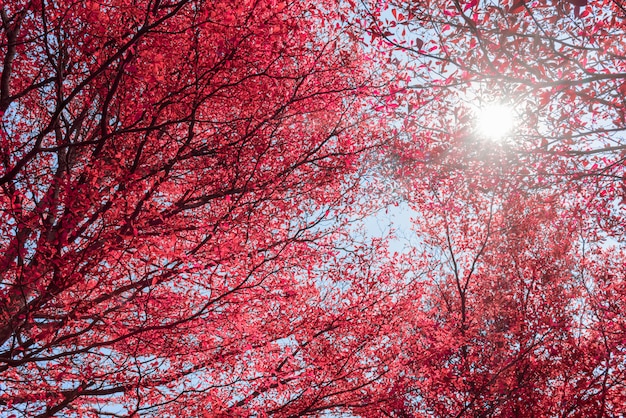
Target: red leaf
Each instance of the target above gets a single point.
(518, 6)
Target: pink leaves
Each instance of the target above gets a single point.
(169, 221)
(186, 185)
(578, 4)
(470, 4)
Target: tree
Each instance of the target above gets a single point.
(168, 172)
(181, 181)
(559, 66)
(524, 237)
(514, 320)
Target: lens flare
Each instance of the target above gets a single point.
(495, 121)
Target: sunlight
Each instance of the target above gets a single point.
(495, 121)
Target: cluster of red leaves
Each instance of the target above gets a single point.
(166, 170)
(177, 180)
(524, 238)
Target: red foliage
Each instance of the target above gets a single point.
(524, 237)
(179, 180)
(167, 168)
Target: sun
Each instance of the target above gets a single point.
(495, 121)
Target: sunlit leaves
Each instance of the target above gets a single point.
(167, 172)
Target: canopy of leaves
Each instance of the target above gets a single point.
(180, 182)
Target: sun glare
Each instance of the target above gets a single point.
(495, 121)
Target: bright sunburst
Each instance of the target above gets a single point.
(495, 121)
